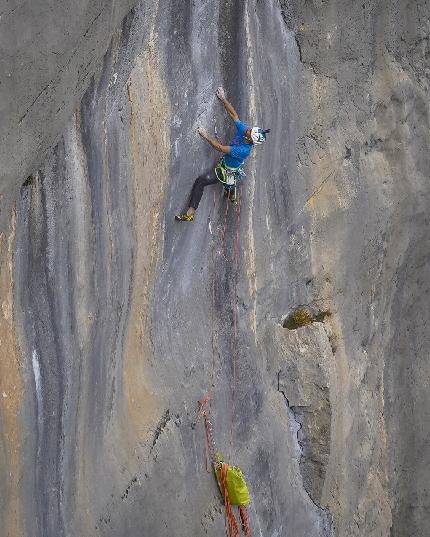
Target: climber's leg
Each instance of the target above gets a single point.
(208, 178)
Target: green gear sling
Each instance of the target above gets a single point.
(226, 175)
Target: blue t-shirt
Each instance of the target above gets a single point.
(239, 150)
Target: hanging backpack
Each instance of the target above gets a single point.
(234, 490)
(237, 490)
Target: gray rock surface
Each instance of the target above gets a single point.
(106, 317)
(49, 52)
(305, 368)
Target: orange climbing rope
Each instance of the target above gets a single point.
(213, 312)
(210, 450)
(234, 315)
(244, 518)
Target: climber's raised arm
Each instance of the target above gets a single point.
(214, 143)
(228, 106)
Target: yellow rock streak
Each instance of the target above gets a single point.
(150, 112)
(11, 387)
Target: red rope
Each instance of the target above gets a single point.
(209, 437)
(232, 528)
(234, 324)
(224, 229)
(244, 518)
(213, 316)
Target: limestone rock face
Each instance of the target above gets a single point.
(49, 52)
(305, 370)
(116, 320)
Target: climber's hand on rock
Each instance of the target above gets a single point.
(203, 132)
(220, 93)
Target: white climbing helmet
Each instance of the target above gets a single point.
(258, 135)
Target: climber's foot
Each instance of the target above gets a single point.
(184, 217)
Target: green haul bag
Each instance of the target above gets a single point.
(237, 489)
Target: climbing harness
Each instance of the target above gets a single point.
(228, 176)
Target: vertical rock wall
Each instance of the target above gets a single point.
(362, 148)
(49, 52)
(106, 314)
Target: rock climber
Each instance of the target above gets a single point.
(228, 170)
